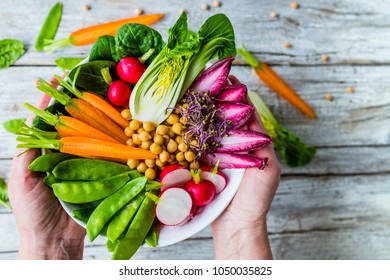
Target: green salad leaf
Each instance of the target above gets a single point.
(4, 193)
(10, 51)
(13, 126)
(68, 63)
(104, 49)
(294, 152)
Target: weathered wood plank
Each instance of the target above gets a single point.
(345, 30)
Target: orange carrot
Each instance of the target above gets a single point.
(85, 112)
(271, 79)
(89, 35)
(83, 146)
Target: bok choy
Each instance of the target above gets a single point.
(174, 69)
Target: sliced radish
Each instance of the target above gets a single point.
(174, 207)
(215, 176)
(174, 175)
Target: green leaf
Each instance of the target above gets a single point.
(104, 49)
(68, 63)
(13, 126)
(135, 39)
(4, 193)
(10, 51)
(50, 26)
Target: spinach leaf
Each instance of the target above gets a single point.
(104, 49)
(68, 63)
(91, 75)
(4, 194)
(13, 126)
(50, 26)
(10, 51)
(135, 39)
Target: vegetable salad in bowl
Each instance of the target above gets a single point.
(143, 143)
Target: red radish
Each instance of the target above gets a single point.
(215, 176)
(174, 206)
(119, 93)
(174, 175)
(202, 191)
(130, 69)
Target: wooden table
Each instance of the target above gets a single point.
(337, 207)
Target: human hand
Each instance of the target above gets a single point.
(46, 230)
(240, 232)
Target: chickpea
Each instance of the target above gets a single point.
(171, 146)
(162, 129)
(194, 165)
(194, 143)
(171, 158)
(132, 163)
(144, 136)
(136, 139)
(126, 114)
(148, 126)
(150, 173)
(171, 134)
(141, 168)
(129, 132)
(158, 139)
(159, 163)
(184, 163)
(189, 156)
(150, 162)
(131, 143)
(134, 124)
(178, 139)
(146, 145)
(183, 147)
(183, 120)
(163, 156)
(155, 148)
(180, 156)
(139, 130)
(177, 128)
(172, 119)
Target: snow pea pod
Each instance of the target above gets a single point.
(88, 169)
(89, 191)
(49, 180)
(83, 214)
(122, 218)
(152, 238)
(111, 205)
(137, 231)
(47, 162)
(49, 28)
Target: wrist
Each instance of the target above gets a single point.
(241, 241)
(51, 249)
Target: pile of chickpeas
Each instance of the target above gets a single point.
(165, 140)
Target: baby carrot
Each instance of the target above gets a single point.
(89, 35)
(69, 126)
(271, 79)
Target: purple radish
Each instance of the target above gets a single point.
(174, 207)
(213, 78)
(215, 176)
(233, 93)
(237, 113)
(174, 175)
(243, 140)
(237, 160)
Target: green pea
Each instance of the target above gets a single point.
(89, 191)
(50, 179)
(122, 218)
(47, 162)
(152, 238)
(50, 26)
(88, 169)
(111, 205)
(83, 214)
(137, 231)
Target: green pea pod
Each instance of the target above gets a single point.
(152, 238)
(111, 245)
(122, 218)
(112, 204)
(89, 191)
(50, 26)
(47, 162)
(137, 231)
(88, 169)
(50, 179)
(83, 214)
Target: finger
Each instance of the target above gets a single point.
(44, 101)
